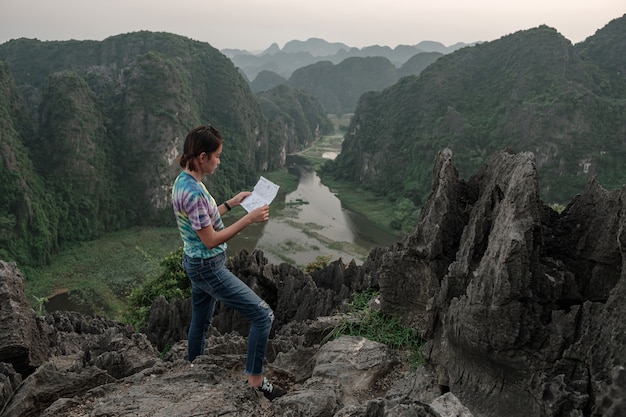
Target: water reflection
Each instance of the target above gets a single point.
(311, 222)
(319, 206)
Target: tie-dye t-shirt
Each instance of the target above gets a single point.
(195, 208)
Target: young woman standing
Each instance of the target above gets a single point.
(204, 236)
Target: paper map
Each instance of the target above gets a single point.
(263, 193)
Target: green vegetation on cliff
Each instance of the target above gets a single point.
(91, 132)
(339, 86)
(297, 114)
(28, 218)
(529, 91)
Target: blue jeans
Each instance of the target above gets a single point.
(211, 281)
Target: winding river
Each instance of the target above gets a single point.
(310, 223)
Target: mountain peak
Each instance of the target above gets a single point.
(273, 48)
(315, 46)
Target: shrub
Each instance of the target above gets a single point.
(320, 262)
(172, 283)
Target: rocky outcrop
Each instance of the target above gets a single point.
(23, 345)
(98, 367)
(521, 309)
(522, 306)
(60, 355)
(293, 294)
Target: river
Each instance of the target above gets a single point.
(309, 223)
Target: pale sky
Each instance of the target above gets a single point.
(254, 24)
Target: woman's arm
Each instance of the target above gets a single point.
(233, 202)
(212, 238)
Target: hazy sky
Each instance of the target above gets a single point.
(255, 24)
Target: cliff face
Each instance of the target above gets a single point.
(522, 309)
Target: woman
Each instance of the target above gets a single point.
(204, 242)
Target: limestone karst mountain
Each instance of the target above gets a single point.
(92, 131)
(529, 91)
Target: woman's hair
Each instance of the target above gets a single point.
(201, 139)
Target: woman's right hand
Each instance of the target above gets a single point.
(259, 214)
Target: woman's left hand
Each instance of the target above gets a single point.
(236, 200)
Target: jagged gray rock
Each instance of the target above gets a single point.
(293, 294)
(23, 343)
(519, 304)
(522, 309)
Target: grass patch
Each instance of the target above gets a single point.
(297, 202)
(291, 246)
(281, 255)
(375, 208)
(316, 163)
(309, 230)
(287, 182)
(378, 327)
(320, 262)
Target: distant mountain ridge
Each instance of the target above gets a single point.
(296, 54)
(339, 86)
